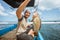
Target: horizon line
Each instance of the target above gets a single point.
(41, 22)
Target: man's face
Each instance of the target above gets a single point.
(27, 14)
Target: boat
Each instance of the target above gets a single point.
(6, 32)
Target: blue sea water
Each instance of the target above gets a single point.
(48, 31)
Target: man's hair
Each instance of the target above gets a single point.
(27, 11)
(24, 36)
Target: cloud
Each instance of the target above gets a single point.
(40, 13)
(48, 4)
(1, 7)
(56, 3)
(13, 12)
(2, 13)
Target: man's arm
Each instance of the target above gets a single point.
(21, 8)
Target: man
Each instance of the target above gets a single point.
(22, 20)
(31, 33)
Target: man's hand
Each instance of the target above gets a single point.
(35, 15)
(31, 32)
(27, 0)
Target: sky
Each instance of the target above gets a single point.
(48, 10)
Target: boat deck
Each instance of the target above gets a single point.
(9, 36)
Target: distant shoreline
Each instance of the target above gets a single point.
(42, 22)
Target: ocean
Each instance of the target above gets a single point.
(48, 31)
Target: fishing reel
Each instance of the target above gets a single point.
(16, 3)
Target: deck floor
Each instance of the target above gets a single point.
(9, 36)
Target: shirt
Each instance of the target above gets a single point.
(22, 25)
